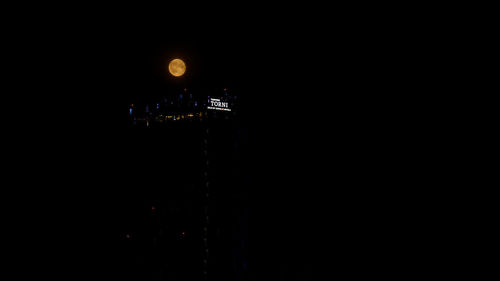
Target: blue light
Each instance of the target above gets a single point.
(157, 106)
(130, 111)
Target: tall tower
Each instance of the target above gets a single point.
(194, 225)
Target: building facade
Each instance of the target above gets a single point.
(185, 150)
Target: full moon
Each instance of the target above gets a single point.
(177, 67)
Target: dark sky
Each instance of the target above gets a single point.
(320, 100)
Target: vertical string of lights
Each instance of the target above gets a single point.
(206, 205)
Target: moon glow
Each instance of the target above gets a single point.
(177, 67)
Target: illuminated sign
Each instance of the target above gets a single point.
(217, 104)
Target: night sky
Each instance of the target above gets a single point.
(318, 103)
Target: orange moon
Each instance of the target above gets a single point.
(177, 67)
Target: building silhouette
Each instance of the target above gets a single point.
(193, 224)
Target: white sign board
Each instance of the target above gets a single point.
(217, 104)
